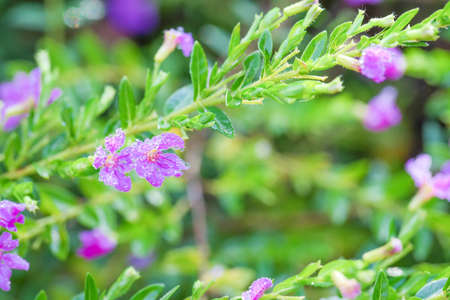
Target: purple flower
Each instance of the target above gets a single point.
(382, 112)
(257, 289)
(19, 96)
(95, 243)
(437, 185)
(380, 63)
(133, 17)
(113, 164)
(9, 261)
(153, 164)
(362, 2)
(172, 39)
(349, 288)
(10, 213)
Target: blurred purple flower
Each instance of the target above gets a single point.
(349, 288)
(10, 213)
(141, 262)
(362, 2)
(19, 96)
(172, 39)
(133, 17)
(437, 185)
(113, 164)
(9, 261)
(257, 289)
(382, 112)
(153, 164)
(95, 243)
(380, 63)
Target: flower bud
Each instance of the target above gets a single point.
(299, 7)
(30, 204)
(312, 14)
(348, 62)
(392, 247)
(349, 288)
(425, 33)
(332, 87)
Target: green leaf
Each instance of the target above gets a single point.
(295, 36)
(432, 288)
(231, 101)
(149, 292)
(252, 66)
(411, 226)
(122, 284)
(338, 36)
(315, 47)
(42, 295)
(265, 45)
(343, 265)
(59, 241)
(381, 289)
(169, 294)
(12, 147)
(356, 23)
(292, 281)
(413, 284)
(105, 100)
(198, 69)
(402, 21)
(67, 121)
(127, 103)
(179, 99)
(222, 122)
(235, 38)
(213, 74)
(90, 290)
(199, 289)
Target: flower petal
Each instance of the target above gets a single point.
(115, 141)
(7, 243)
(14, 261)
(419, 169)
(170, 140)
(5, 277)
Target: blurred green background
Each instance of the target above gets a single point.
(298, 183)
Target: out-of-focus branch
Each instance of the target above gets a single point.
(195, 194)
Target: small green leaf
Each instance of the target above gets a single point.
(315, 47)
(122, 284)
(338, 36)
(402, 21)
(68, 122)
(356, 23)
(292, 281)
(235, 38)
(105, 100)
(432, 288)
(213, 74)
(127, 103)
(12, 147)
(179, 99)
(381, 289)
(149, 292)
(42, 295)
(222, 122)
(199, 289)
(265, 45)
(90, 290)
(198, 69)
(59, 241)
(252, 66)
(169, 294)
(231, 101)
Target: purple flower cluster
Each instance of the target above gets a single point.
(379, 63)
(257, 289)
(19, 96)
(437, 185)
(10, 214)
(148, 158)
(382, 112)
(133, 17)
(95, 243)
(356, 3)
